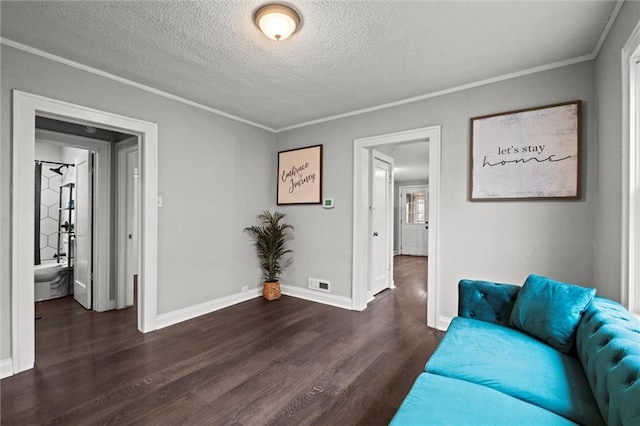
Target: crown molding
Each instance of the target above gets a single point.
(131, 83)
(607, 28)
(559, 64)
(593, 55)
(468, 86)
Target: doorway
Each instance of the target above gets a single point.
(413, 220)
(94, 205)
(361, 204)
(26, 107)
(87, 221)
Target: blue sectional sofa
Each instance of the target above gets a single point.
(545, 353)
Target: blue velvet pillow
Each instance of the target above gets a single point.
(551, 310)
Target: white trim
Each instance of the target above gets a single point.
(25, 108)
(359, 288)
(607, 28)
(6, 368)
(110, 76)
(630, 279)
(22, 217)
(571, 61)
(315, 296)
(449, 91)
(360, 213)
(191, 312)
(443, 322)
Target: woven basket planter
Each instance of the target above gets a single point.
(271, 291)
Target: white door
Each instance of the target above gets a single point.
(381, 222)
(414, 203)
(126, 220)
(132, 226)
(83, 281)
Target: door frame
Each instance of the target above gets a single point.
(401, 207)
(361, 179)
(630, 224)
(25, 108)
(389, 231)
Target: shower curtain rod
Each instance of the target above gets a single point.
(54, 162)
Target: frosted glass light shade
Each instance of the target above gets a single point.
(277, 21)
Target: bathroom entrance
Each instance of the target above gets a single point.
(26, 107)
(63, 226)
(83, 205)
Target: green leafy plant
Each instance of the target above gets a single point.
(270, 239)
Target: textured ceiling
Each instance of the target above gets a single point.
(347, 56)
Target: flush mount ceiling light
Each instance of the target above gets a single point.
(277, 21)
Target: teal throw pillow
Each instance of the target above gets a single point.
(551, 310)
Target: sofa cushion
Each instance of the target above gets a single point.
(608, 346)
(517, 364)
(551, 310)
(439, 400)
(486, 301)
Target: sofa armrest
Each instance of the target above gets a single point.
(486, 301)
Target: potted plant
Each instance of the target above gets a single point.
(270, 238)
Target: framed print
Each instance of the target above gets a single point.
(300, 176)
(526, 154)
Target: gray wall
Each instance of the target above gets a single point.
(215, 175)
(501, 241)
(607, 212)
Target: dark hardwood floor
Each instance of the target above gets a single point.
(256, 363)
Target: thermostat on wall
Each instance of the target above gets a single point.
(327, 203)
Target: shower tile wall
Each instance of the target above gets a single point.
(49, 205)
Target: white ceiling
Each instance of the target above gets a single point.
(347, 56)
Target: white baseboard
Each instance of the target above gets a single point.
(443, 323)
(175, 317)
(396, 252)
(6, 368)
(318, 297)
(370, 297)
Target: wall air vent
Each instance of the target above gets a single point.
(319, 285)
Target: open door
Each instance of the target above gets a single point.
(381, 222)
(127, 205)
(83, 270)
